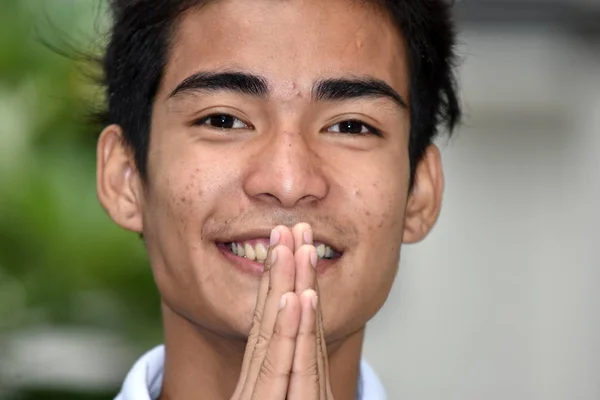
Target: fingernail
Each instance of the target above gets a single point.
(308, 236)
(283, 301)
(274, 237)
(313, 257)
(273, 257)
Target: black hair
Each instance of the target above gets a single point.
(138, 51)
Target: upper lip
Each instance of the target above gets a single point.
(260, 233)
(265, 233)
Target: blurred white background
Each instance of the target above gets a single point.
(502, 300)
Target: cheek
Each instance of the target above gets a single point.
(185, 192)
(188, 185)
(378, 199)
(385, 211)
(382, 223)
(187, 175)
(171, 218)
(176, 197)
(190, 181)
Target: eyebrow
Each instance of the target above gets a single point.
(238, 82)
(336, 89)
(355, 88)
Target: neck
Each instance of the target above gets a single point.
(199, 361)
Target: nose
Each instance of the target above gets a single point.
(286, 172)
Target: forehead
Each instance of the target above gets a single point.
(292, 43)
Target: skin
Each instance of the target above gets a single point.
(206, 185)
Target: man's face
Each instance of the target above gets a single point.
(279, 154)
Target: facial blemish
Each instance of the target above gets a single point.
(296, 90)
(359, 44)
(290, 91)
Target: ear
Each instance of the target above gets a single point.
(118, 183)
(425, 199)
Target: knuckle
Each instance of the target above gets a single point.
(281, 334)
(251, 342)
(311, 370)
(260, 349)
(263, 336)
(309, 332)
(257, 318)
(269, 371)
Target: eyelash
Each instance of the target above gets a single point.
(370, 130)
(206, 121)
(228, 119)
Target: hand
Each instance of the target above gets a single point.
(306, 282)
(285, 356)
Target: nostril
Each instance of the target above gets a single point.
(269, 198)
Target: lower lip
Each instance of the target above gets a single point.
(255, 268)
(245, 265)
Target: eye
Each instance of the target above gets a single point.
(353, 127)
(222, 121)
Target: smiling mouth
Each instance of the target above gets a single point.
(257, 249)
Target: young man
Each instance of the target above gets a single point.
(274, 155)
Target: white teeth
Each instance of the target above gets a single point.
(321, 250)
(261, 252)
(249, 250)
(240, 250)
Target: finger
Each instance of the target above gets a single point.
(306, 262)
(303, 234)
(322, 355)
(280, 235)
(285, 238)
(304, 381)
(273, 378)
(282, 275)
(282, 272)
(258, 312)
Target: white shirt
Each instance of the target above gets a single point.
(144, 381)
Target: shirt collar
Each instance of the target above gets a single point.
(144, 380)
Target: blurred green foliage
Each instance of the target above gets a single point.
(62, 261)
